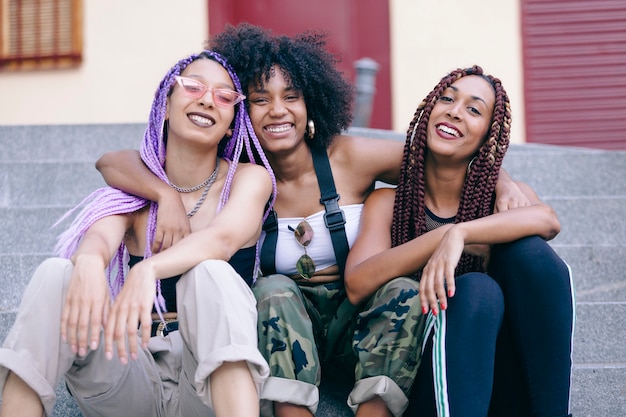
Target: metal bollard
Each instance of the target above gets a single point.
(366, 69)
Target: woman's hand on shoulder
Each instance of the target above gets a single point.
(509, 195)
(172, 223)
(545, 214)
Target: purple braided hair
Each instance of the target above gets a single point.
(109, 201)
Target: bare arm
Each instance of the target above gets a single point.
(372, 262)
(237, 225)
(381, 159)
(87, 300)
(536, 219)
(126, 171)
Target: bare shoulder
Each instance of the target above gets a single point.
(247, 168)
(252, 175)
(380, 198)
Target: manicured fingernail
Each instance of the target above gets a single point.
(109, 355)
(434, 310)
(94, 345)
(82, 352)
(449, 293)
(424, 310)
(443, 306)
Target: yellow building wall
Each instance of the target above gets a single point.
(430, 38)
(128, 45)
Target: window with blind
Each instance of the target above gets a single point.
(40, 34)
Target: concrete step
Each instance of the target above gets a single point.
(47, 183)
(66, 142)
(590, 221)
(599, 391)
(569, 173)
(598, 271)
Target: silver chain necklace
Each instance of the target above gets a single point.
(206, 184)
(197, 187)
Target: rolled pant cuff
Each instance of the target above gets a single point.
(13, 362)
(379, 386)
(291, 391)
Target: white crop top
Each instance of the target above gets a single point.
(288, 250)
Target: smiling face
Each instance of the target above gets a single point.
(200, 118)
(278, 113)
(461, 118)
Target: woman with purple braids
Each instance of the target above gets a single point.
(174, 334)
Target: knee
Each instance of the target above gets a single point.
(210, 270)
(398, 291)
(212, 276)
(526, 261)
(396, 299)
(271, 286)
(524, 252)
(478, 296)
(52, 271)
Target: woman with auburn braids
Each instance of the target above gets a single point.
(493, 294)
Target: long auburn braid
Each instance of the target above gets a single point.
(478, 193)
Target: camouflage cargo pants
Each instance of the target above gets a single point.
(301, 327)
(388, 341)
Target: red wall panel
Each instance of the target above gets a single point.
(575, 72)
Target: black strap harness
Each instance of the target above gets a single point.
(334, 217)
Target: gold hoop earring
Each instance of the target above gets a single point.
(311, 129)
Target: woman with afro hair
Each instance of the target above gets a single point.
(300, 106)
(493, 294)
(173, 333)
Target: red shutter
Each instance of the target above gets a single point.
(356, 28)
(575, 72)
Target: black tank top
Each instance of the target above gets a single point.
(242, 262)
